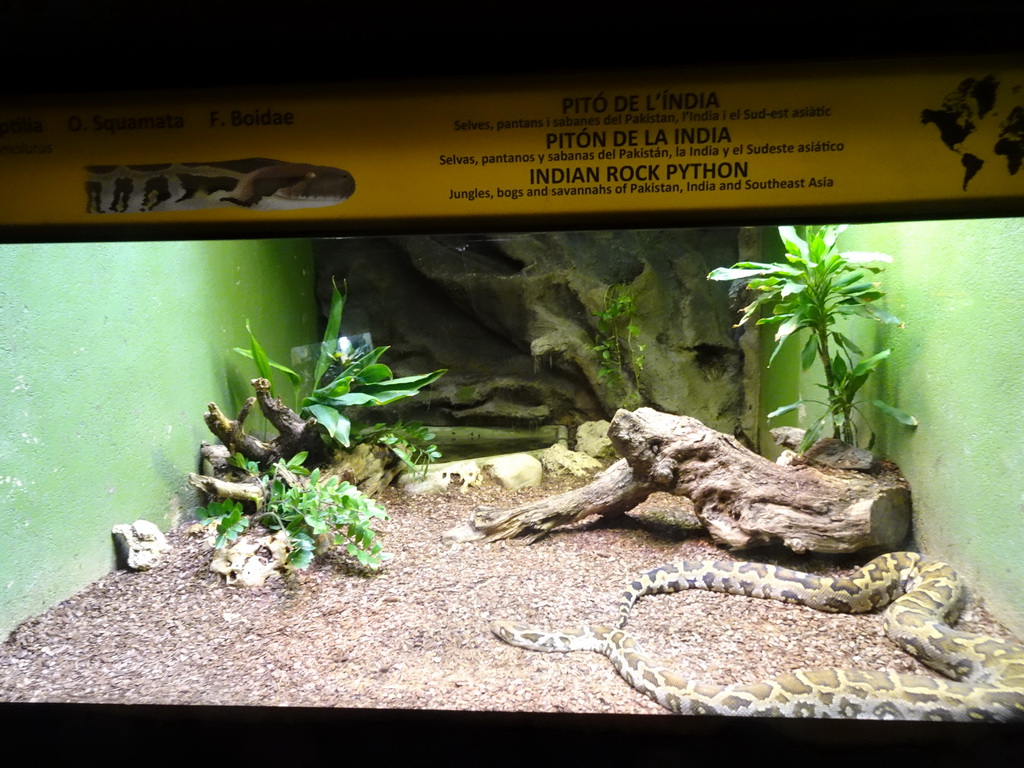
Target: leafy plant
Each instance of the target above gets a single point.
(343, 379)
(815, 288)
(331, 510)
(229, 517)
(412, 442)
(616, 342)
(313, 513)
(264, 364)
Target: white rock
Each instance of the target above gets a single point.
(439, 477)
(786, 458)
(592, 439)
(139, 545)
(559, 460)
(250, 561)
(514, 470)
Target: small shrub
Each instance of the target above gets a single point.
(343, 380)
(616, 345)
(813, 289)
(230, 519)
(311, 511)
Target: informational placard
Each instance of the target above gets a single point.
(694, 146)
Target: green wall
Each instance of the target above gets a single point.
(111, 352)
(958, 286)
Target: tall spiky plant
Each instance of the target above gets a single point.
(813, 289)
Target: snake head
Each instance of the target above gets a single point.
(515, 633)
(525, 636)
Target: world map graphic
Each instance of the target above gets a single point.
(983, 122)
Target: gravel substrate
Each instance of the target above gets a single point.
(415, 634)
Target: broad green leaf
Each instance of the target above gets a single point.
(340, 383)
(775, 350)
(723, 273)
(295, 462)
(789, 288)
(793, 324)
(347, 400)
(869, 364)
(838, 366)
(772, 320)
(374, 373)
(336, 388)
(258, 355)
(853, 385)
(901, 416)
(406, 383)
(337, 425)
(751, 309)
(786, 409)
(813, 433)
(847, 279)
(859, 288)
(420, 380)
(330, 342)
(765, 284)
(794, 243)
(880, 314)
(380, 395)
(832, 232)
(865, 257)
(809, 353)
(292, 375)
(816, 247)
(370, 358)
(845, 342)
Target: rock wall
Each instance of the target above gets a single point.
(512, 318)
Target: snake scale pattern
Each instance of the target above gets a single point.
(255, 183)
(985, 674)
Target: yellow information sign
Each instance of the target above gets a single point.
(944, 137)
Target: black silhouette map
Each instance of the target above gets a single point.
(969, 124)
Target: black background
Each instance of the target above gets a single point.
(113, 45)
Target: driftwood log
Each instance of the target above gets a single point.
(743, 499)
(295, 434)
(369, 467)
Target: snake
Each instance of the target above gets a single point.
(983, 676)
(255, 183)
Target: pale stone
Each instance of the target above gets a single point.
(250, 561)
(592, 439)
(139, 545)
(559, 460)
(786, 458)
(439, 477)
(511, 470)
(514, 470)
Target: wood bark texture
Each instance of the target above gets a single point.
(612, 492)
(369, 467)
(295, 434)
(743, 499)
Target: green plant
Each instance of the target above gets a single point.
(311, 511)
(342, 380)
(616, 344)
(816, 287)
(264, 364)
(412, 442)
(229, 517)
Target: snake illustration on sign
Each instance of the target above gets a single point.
(256, 184)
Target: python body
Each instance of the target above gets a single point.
(254, 183)
(986, 674)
